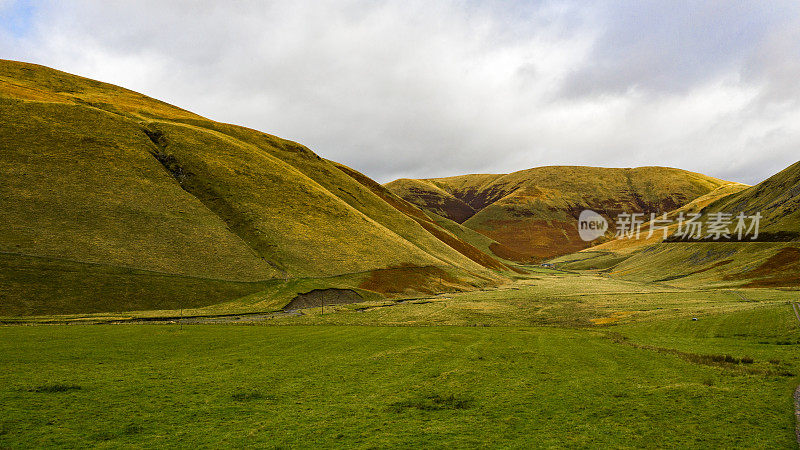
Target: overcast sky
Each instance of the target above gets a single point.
(423, 89)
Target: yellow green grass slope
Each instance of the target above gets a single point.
(777, 199)
(105, 190)
(533, 213)
(770, 260)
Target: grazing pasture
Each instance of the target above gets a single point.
(555, 359)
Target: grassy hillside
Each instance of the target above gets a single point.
(624, 246)
(691, 264)
(97, 175)
(777, 199)
(431, 198)
(446, 235)
(771, 260)
(533, 213)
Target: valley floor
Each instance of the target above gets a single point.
(557, 359)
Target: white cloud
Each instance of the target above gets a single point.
(419, 88)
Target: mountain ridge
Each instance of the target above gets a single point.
(533, 212)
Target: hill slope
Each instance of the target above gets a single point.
(533, 212)
(770, 260)
(777, 199)
(108, 183)
(430, 197)
(695, 206)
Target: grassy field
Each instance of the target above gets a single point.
(553, 298)
(566, 360)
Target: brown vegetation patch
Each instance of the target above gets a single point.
(506, 253)
(479, 200)
(409, 280)
(462, 246)
(781, 269)
(449, 207)
(534, 239)
(783, 280)
(787, 258)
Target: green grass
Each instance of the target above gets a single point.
(554, 299)
(556, 359)
(776, 198)
(57, 286)
(372, 387)
(693, 264)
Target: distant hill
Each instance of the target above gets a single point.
(770, 260)
(116, 201)
(777, 199)
(695, 206)
(533, 213)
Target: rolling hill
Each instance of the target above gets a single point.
(609, 243)
(116, 201)
(777, 199)
(532, 214)
(772, 259)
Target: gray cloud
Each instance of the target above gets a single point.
(673, 46)
(422, 89)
